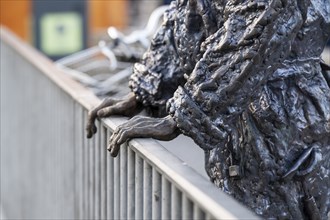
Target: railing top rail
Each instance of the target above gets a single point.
(200, 190)
(46, 66)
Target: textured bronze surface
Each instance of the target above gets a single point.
(245, 81)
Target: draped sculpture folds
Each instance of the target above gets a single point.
(245, 81)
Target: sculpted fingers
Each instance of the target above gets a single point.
(123, 107)
(122, 134)
(113, 146)
(109, 106)
(126, 134)
(90, 129)
(141, 126)
(92, 115)
(108, 111)
(119, 137)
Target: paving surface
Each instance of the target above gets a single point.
(189, 152)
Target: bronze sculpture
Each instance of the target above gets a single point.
(245, 81)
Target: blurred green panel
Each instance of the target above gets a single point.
(61, 33)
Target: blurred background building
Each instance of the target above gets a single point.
(59, 28)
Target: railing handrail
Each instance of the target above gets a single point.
(84, 96)
(210, 198)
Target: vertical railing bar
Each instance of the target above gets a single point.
(71, 162)
(97, 171)
(67, 158)
(123, 181)
(49, 120)
(86, 176)
(103, 168)
(80, 135)
(187, 208)
(76, 142)
(94, 180)
(48, 152)
(147, 190)
(77, 125)
(54, 179)
(131, 184)
(139, 187)
(91, 178)
(176, 203)
(156, 194)
(117, 187)
(198, 213)
(80, 156)
(166, 199)
(209, 217)
(110, 183)
(82, 170)
(59, 158)
(56, 151)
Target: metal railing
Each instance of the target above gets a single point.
(49, 170)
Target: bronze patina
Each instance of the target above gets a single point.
(245, 81)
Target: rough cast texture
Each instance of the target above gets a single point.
(244, 80)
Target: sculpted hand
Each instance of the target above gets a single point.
(126, 106)
(142, 126)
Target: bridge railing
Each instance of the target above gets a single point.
(49, 170)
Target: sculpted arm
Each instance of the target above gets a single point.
(233, 68)
(238, 60)
(153, 81)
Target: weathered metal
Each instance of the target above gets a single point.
(49, 170)
(245, 81)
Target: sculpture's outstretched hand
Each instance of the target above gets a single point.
(142, 126)
(126, 106)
